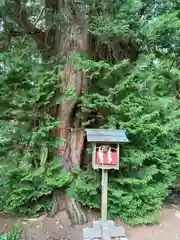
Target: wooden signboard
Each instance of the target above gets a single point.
(105, 157)
(105, 143)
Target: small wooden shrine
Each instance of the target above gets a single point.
(106, 154)
(106, 150)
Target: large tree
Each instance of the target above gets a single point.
(63, 31)
(75, 37)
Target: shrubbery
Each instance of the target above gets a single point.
(136, 90)
(15, 234)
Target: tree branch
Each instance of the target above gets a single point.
(39, 18)
(51, 9)
(7, 118)
(18, 14)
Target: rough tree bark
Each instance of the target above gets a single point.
(73, 41)
(68, 38)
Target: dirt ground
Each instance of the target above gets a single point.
(59, 227)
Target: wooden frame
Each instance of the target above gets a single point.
(105, 167)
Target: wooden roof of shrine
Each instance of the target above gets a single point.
(106, 135)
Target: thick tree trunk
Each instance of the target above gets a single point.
(73, 41)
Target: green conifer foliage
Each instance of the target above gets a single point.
(132, 70)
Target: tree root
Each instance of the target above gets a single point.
(74, 210)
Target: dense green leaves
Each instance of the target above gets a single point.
(143, 102)
(133, 77)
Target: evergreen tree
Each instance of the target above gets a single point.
(70, 64)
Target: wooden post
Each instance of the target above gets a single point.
(104, 194)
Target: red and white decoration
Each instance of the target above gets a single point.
(106, 158)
